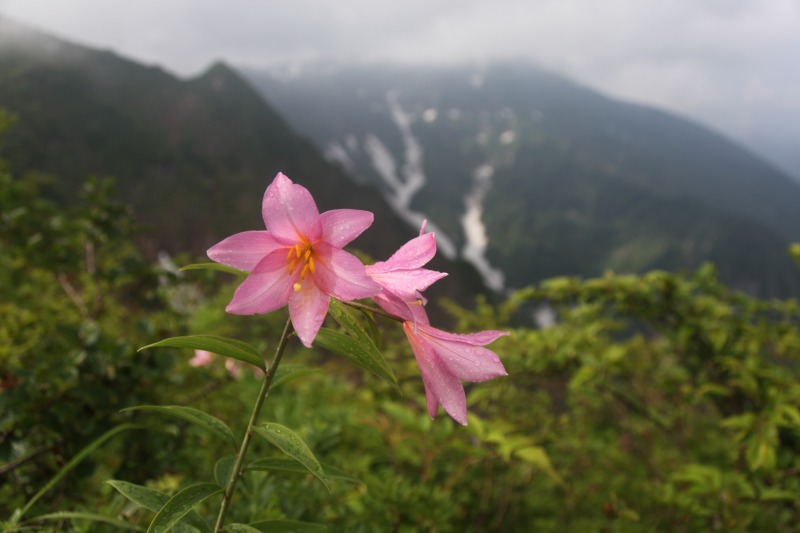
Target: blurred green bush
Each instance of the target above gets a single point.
(653, 402)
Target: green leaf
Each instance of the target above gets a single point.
(241, 528)
(145, 497)
(92, 517)
(287, 373)
(280, 464)
(80, 456)
(365, 355)
(288, 526)
(153, 500)
(181, 504)
(197, 417)
(537, 457)
(223, 470)
(224, 346)
(292, 445)
(215, 266)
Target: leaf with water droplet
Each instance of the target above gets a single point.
(285, 464)
(154, 500)
(362, 352)
(181, 504)
(292, 445)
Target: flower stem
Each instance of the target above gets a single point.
(238, 466)
(371, 309)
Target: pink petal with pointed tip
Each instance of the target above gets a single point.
(480, 338)
(340, 226)
(289, 211)
(266, 289)
(443, 386)
(405, 283)
(244, 250)
(308, 308)
(465, 361)
(341, 274)
(414, 253)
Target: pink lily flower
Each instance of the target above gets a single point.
(402, 279)
(298, 260)
(444, 359)
(447, 359)
(201, 358)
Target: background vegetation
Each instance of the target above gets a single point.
(655, 402)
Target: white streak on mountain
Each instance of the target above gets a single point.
(405, 184)
(475, 248)
(335, 152)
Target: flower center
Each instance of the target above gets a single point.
(301, 256)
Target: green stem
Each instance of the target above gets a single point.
(371, 309)
(237, 468)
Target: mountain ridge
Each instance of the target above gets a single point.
(587, 146)
(192, 156)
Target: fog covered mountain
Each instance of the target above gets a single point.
(529, 175)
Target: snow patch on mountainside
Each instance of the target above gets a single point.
(475, 248)
(407, 182)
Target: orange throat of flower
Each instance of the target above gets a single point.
(300, 257)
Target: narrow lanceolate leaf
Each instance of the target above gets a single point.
(292, 445)
(346, 318)
(181, 504)
(215, 266)
(92, 517)
(80, 456)
(224, 346)
(241, 528)
(223, 470)
(153, 500)
(281, 464)
(288, 526)
(363, 354)
(287, 373)
(197, 417)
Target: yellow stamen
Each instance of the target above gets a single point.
(301, 256)
(297, 287)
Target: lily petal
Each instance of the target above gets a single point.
(404, 283)
(400, 308)
(414, 253)
(444, 387)
(463, 359)
(266, 289)
(341, 274)
(289, 212)
(340, 226)
(307, 309)
(244, 250)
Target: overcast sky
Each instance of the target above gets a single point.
(733, 64)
